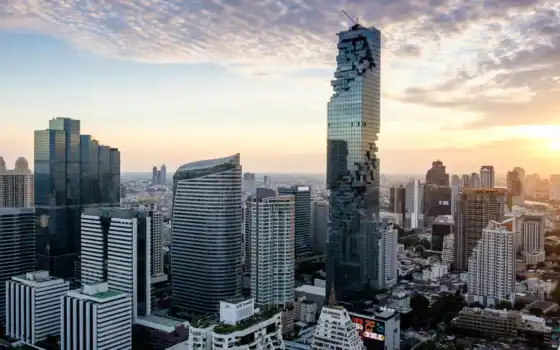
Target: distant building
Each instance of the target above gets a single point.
(475, 208)
(442, 226)
(448, 250)
(320, 219)
(249, 183)
(33, 306)
(379, 328)
(267, 181)
(163, 174)
(96, 313)
(16, 185)
(154, 175)
(491, 270)
(414, 217)
(515, 191)
(531, 183)
(17, 247)
(554, 194)
(487, 176)
(437, 175)
(302, 195)
(533, 233)
(437, 202)
(397, 201)
(455, 189)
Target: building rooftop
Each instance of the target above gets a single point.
(306, 288)
(208, 163)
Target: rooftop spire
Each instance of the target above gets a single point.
(332, 297)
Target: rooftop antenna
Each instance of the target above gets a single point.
(350, 18)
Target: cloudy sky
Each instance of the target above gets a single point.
(469, 82)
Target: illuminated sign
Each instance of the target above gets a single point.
(369, 329)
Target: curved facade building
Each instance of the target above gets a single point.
(206, 234)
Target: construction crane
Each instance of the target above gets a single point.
(350, 18)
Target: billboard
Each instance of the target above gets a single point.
(371, 331)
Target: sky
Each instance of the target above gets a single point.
(470, 82)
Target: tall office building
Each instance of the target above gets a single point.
(465, 180)
(33, 306)
(320, 227)
(154, 175)
(302, 195)
(16, 185)
(72, 172)
(475, 181)
(163, 172)
(96, 317)
(267, 181)
(554, 191)
(414, 191)
(521, 172)
(437, 174)
(487, 176)
(515, 190)
(352, 165)
(17, 247)
(249, 183)
(455, 189)
(270, 226)
(491, 275)
(397, 202)
(531, 184)
(475, 208)
(387, 258)
(207, 233)
(116, 249)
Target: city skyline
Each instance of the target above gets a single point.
(155, 72)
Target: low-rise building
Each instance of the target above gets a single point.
(335, 330)
(240, 326)
(435, 272)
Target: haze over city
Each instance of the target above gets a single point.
(173, 81)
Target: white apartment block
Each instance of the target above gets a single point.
(269, 224)
(414, 194)
(241, 326)
(491, 270)
(116, 248)
(335, 330)
(96, 318)
(448, 251)
(16, 186)
(32, 306)
(307, 311)
(435, 272)
(387, 258)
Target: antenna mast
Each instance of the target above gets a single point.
(350, 18)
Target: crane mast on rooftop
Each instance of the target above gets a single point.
(350, 18)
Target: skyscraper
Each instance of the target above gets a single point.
(515, 190)
(455, 189)
(17, 246)
(154, 175)
(16, 185)
(397, 202)
(414, 191)
(72, 172)
(206, 234)
(475, 208)
(302, 196)
(163, 172)
(487, 176)
(474, 181)
(320, 227)
(352, 164)
(270, 225)
(437, 193)
(388, 263)
(491, 276)
(249, 183)
(116, 249)
(437, 174)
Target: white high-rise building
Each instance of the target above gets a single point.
(115, 245)
(96, 317)
(554, 190)
(387, 258)
(269, 223)
(491, 271)
(16, 185)
(474, 181)
(414, 193)
(533, 232)
(335, 330)
(249, 183)
(487, 176)
(448, 251)
(32, 306)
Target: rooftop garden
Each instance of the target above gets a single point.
(246, 323)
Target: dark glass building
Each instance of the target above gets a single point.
(72, 172)
(17, 247)
(206, 251)
(302, 220)
(352, 164)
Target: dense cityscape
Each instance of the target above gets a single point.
(209, 256)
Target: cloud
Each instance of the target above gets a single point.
(499, 58)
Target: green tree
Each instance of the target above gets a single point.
(426, 244)
(536, 311)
